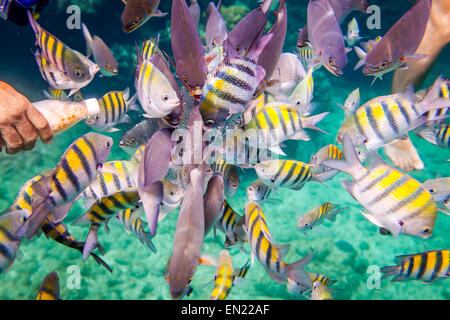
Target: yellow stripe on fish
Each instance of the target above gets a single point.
(284, 173)
(427, 266)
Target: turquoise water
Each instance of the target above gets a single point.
(344, 249)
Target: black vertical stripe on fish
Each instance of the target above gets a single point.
(235, 81)
(410, 267)
(281, 119)
(289, 175)
(277, 265)
(70, 175)
(59, 188)
(103, 184)
(27, 198)
(113, 109)
(413, 107)
(228, 221)
(127, 198)
(92, 149)
(5, 252)
(299, 176)
(244, 69)
(227, 96)
(423, 265)
(268, 120)
(268, 255)
(258, 244)
(404, 202)
(373, 122)
(116, 182)
(437, 265)
(390, 118)
(293, 122)
(84, 162)
(280, 171)
(120, 104)
(389, 189)
(403, 111)
(358, 125)
(97, 215)
(117, 204)
(105, 209)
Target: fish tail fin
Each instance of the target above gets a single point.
(132, 105)
(92, 242)
(332, 215)
(296, 272)
(362, 57)
(428, 134)
(146, 238)
(432, 100)
(350, 163)
(389, 271)
(89, 40)
(310, 122)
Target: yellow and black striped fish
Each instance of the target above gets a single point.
(439, 135)
(129, 218)
(392, 199)
(49, 289)
(317, 216)
(59, 232)
(279, 121)
(113, 108)
(59, 55)
(230, 176)
(150, 48)
(230, 222)
(56, 94)
(103, 209)
(224, 277)
(284, 173)
(444, 92)
(427, 266)
(269, 254)
(115, 176)
(386, 118)
(297, 289)
(24, 198)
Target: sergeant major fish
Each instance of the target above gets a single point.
(270, 255)
(49, 289)
(317, 216)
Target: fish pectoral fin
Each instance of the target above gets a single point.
(207, 260)
(277, 149)
(159, 14)
(412, 58)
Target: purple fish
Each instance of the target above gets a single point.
(271, 54)
(189, 235)
(213, 200)
(194, 9)
(341, 10)
(247, 31)
(325, 37)
(153, 167)
(187, 49)
(138, 12)
(216, 29)
(396, 48)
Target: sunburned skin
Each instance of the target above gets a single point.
(402, 153)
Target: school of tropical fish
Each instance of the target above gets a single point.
(217, 109)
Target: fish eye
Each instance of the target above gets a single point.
(214, 43)
(432, 190)
(97, 117)
(132, 140)
(426, 230)
(171, 193)
(445, 201)
(165, 97)
(185, 80)
(383, 64)
(77, 73)
(297, 102)
(238, 47)
(136, 21)
(108, 144)
(331, 61)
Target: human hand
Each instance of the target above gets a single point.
(20, 122)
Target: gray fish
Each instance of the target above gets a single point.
(271, 54)
(138, 12)
(102, 54)
(153, 167)
(396, 48)
(213, 200)
(216, 29)
(139, 134)
(189, 235)
(326, 38)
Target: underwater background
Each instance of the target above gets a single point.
(344, 250)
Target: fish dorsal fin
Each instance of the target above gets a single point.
(402, 259)
(409, 94)
(282, 249)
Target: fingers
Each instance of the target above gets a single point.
(28, 134)
(12, 139)
(41, 124)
